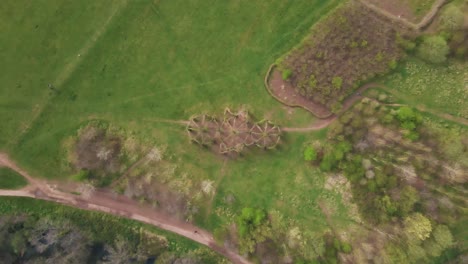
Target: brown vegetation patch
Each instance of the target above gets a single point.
(233, 133)
(284, 92)
(97, 151)
(351, 45)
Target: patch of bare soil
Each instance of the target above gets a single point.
(285, 93)
(350, 46)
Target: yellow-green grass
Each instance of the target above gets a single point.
(438, 87)
(167, 60)
(9, 179)
(152, 60)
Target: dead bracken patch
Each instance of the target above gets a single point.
(233, 132)
(348, 47)
(97, 151)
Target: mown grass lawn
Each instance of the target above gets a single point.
(11, 180)
(152, 61)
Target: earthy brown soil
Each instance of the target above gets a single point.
(286, 94)
(108, 202)
(398, 8)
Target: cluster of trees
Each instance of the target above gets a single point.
(34, 231)
(253, 227)
(421, 242)
(451, 38)
(29, 239)
(409, 121)
(367, 144)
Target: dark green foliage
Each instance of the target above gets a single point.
(82, 175)
(9, 179)
(34, 225)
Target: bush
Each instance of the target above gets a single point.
(346, 247)
(452, 18)
(337, 82)
(286, 74)
(310, 154)
(82, 175)
(433, 49)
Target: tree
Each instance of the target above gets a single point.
(433, 49)
(417, 227)
(443, 236)
(408, 197)
(452, 18)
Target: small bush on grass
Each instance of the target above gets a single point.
(286, 74)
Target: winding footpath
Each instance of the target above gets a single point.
(425, 21)
(117, 205)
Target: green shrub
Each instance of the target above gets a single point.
(82, 175)
(286, 74)
(346, 247)
(433, 49)
(310, 154)
(337, 82)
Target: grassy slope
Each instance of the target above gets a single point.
(11, 180)
(170, 60)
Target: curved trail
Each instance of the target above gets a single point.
(425, 21)
(351, 100)
(117, 205)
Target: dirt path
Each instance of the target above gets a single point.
(356, 96)
(425, 21)
(119, 205)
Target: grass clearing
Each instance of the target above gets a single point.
(167, 61)
(438, 87)
(161, 61)
(9, 179)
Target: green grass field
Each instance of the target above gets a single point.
(138, 63)
(438, 87)
(11, 180)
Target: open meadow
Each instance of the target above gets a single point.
(140, 66)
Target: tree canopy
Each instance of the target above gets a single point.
(433, 49)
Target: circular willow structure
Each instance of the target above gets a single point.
(234, 133)
(267, 135)
(199, 129)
